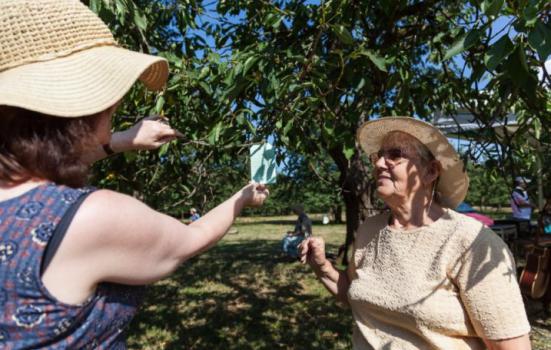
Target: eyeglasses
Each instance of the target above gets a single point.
(391, 155)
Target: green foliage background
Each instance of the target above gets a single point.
(307, 74)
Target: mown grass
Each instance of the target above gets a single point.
(243, 294)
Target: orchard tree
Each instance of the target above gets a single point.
(496, 67)
(309, 74)
(314, 72)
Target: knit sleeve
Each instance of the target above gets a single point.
(486, 278)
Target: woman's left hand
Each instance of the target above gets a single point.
(149, 133)
(254, 194)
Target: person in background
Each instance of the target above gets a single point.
(194, 215)
(303, 229)
(422, 276)
(74, 260)
(520, 202)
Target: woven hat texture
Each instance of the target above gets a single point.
(454, 181)
(57, 57)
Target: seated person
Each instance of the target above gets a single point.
(303, 229)
(194, 215)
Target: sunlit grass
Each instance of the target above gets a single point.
(243, 294)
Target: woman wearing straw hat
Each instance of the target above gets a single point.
(69, 254)
(423, 276)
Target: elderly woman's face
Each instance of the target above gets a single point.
(398, 173)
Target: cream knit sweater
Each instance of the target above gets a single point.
(442, 286)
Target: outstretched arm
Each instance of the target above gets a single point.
(116, 238)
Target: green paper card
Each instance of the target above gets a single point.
(263, 164)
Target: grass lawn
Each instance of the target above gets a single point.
(243, 294)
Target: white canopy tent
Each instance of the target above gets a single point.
(463, 125)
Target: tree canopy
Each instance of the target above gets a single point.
(307, 74)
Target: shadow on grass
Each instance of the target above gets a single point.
(240, 295)
(290, 223)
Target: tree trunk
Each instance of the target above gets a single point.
(356, 191)
(337, 213)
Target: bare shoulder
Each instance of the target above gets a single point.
(113, 214)
(108, 205)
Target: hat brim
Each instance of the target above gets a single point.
(80, 84)
(453, 183)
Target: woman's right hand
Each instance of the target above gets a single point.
(312, 251)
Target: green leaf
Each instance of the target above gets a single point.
(130, 156)
(205, 87)
(517, 68)
(251, 61)
(463, 43)
(492, 8)
(329, 131)
(536, 126)
(140, 20)
(377, 60)
(251, 127)
(160, 104)
(214, 134)
(540, 39)
(348, 150)
(498, 51)
(96, 5)
(343, 34)
(273, 20)
(531, 13)
(164, 149)
(438, 37)
(204, 72)
(288, 127)
(360, 85)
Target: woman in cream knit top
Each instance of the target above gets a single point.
(423, 276)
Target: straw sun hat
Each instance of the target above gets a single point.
(58, 58)
(453, 183)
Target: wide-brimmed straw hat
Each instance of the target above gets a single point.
(58, 58)
(453, 183)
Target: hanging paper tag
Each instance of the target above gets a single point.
(263, 164)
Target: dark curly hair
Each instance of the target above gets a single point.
(36, 145)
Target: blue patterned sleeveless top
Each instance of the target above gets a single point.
(30, 317)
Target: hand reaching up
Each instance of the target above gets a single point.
(149, 133)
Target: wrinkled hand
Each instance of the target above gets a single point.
(254, 194)
(149, 133)
(312, 251)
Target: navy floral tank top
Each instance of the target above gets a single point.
(31, 318)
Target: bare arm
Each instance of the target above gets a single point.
(312, 251)
(518, 343)
(116, 238)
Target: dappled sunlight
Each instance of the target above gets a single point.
(243, 294)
